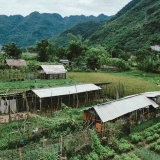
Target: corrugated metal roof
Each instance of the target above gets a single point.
(152, 94)
(16, 62)
(65, 90)
(115, 109)
(53, 69)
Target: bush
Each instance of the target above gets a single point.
(135, 138)
(157, 148)
(121, 64)
(152, 145)
(147, 134)
(149, 139)
(123, 145)
(155, 136)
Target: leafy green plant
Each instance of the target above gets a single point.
(124, 156)
(135, 138)
(149, 139)
(103, 152)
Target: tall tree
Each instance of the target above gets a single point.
(44, 49)
(12, 50)
(76, 47)
(147, 60)
(96, 56)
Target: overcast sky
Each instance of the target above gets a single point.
(62, 7)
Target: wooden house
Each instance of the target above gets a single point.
(52, 72)
(130, 111)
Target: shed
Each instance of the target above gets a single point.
(16, 62)
(53, 72)
(64, 61)
(72, 96)
(130, 110)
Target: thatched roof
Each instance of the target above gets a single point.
(15, 62)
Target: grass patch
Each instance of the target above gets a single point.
(29, 84)
(146, 154)
(132, 85)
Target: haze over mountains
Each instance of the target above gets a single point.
(25, 31)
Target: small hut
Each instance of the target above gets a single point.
(130, 111)
(53, 72)
(64, 61)
(15, 63)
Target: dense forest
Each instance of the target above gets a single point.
(136, 26)
(25, 31)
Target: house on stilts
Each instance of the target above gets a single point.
(51, 99)
(130, 110)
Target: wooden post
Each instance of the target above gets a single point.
(61, 147)
(69, 98)
(136, 116)
(51, 103)
(73, 100)
(85, 98)
(61, 103)
(9, 109)
(143, 114)
(40, 101)
(57, 102)
(35, 104)
(44, 142)
(20, 154)
(76, 97)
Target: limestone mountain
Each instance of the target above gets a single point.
(136, 26)
(25, 31)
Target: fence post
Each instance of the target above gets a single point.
(20, 154)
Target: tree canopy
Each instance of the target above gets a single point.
(44, 48)
(12, 50)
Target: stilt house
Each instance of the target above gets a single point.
(130, 111)
(73, 96)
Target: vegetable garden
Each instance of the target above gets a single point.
(63, 134)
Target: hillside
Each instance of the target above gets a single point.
(137, 25)
(27, 30)
(84, 29)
